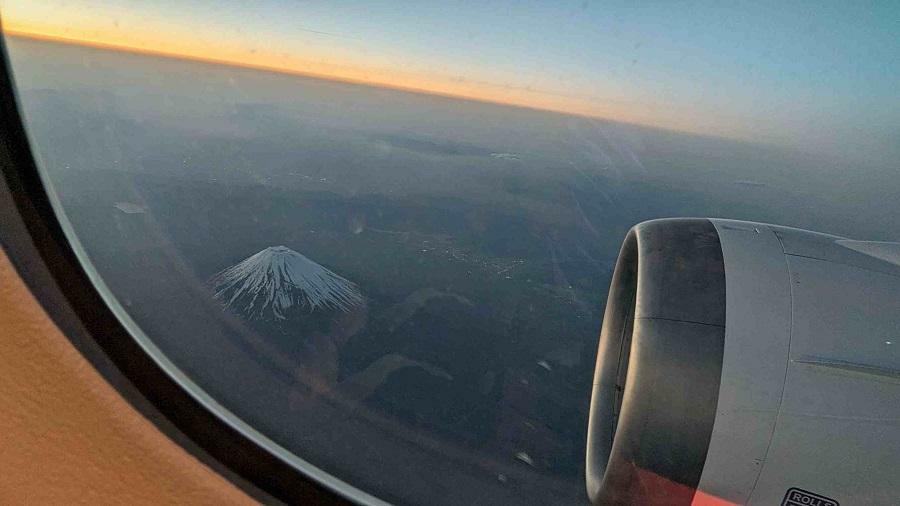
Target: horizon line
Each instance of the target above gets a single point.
(283, 70)
(44, 37)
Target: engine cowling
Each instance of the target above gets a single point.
(742, 362)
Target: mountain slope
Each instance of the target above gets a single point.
(278, 280)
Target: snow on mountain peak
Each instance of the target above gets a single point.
(277, 279)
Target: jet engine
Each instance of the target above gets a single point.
(745, 363)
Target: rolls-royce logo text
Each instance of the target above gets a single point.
(797, 497)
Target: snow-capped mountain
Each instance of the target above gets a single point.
(277, 280)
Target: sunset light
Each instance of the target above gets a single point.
(744, 76)
(157, 36)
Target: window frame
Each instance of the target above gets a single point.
(36, 242)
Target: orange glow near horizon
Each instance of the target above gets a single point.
(349, 73)
(727, 73)
(319, 66)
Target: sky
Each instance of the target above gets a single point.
(815, 75)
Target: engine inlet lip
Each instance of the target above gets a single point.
(658, 364)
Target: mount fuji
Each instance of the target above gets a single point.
(277, 281)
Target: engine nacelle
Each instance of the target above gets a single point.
(747, 363)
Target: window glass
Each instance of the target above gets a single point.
(381, 233)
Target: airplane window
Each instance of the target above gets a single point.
(382, 234)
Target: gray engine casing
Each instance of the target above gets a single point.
(744, 361)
